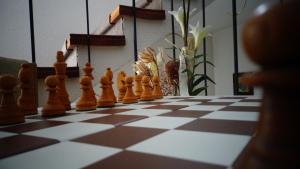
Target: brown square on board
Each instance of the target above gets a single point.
(110, 111)
(170, 107)
(186, 113)
(39, 117)
(26, 127)
(195, 100)
(216, 103)
(151, 103)
(221, 126)
(134, 160)
(116, 120)
(241, 108)
(120, 137)
(22, 143)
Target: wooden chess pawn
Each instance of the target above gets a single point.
(9, 111)
(138, 85)
(121, 85)
(54, 105)
(109, 75)
(27, 100)
(105, 99)
(129, 95)
(147, 90)
(157, 93)
(88, 72)
(272, 41)
(60, 69)
(86, 100)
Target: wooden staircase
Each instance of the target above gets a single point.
(102, 39)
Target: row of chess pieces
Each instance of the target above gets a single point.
(131, 90)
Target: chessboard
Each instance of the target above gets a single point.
(203, 132)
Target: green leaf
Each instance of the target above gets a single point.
(197, 91)
(198, 56)
(207, 62)
(209, 79)
(190, 73)
(199, 80)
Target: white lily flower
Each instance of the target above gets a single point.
(198, 33)
(179, 17)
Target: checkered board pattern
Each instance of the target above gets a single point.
(171, 133)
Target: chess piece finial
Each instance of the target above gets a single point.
(105, 99)
(157, 93)
(86, 100)
(88, 69)
(138, 85)
(109, 75)
(9, 111)
(53, 106)
(147, 90)
(272, 41)
(121, 85)
(60, 69)
(129, 95)
(27, 101)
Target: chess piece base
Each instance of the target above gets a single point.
(49, 111)
(11, 118)
(106, 103)
(150, 98)
(129, 101)
(86, 108)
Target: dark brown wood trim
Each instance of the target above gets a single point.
(43, 72)
(97, 40)
(149, 14)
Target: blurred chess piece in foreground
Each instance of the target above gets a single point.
(272, 41)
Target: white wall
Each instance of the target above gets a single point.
(223, 57)
(54, 20)
(14, 29)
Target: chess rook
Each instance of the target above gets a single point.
(272, 41)
(86, 100)
(27, 101)
(105, 99)
(129, 95)
(109, 75)
(147, 90)
(60, 69)
(54, 106)
(9, 111)
(88, 72)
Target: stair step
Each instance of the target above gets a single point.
(97, 40)
(150, 14)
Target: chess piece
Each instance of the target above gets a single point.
(27, 100)
(109, 75)
(60, 69)
(147, 90)
(86, 100)
(105, 99)
(121, 85)
(54, 106)
(157, 93)
(272, 41)
(138, 85)
(9, 111)
(88, 72)
(129, 95)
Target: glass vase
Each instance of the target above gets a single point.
(186, 59)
